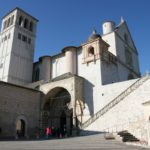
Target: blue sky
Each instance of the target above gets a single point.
(70, 22)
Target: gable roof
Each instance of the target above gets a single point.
(126, 26)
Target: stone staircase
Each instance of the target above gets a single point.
(127, 137)
(115, 101)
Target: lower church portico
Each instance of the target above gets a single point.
(57, 111)
(58, 107)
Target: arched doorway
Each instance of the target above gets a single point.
(57, 111)
(20, 128)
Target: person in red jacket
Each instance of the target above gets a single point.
(47, 131)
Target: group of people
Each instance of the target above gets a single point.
(51, 132)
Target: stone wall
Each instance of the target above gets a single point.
(126, 115)
(17, 102)
(103, 95)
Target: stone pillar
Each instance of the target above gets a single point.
(70, 54)
(68, 125)
(45, 71)
(75, 128)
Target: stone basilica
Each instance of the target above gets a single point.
(96, 86)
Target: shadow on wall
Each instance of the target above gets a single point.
(88, 96)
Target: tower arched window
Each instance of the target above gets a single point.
(20, 21)
(8, 22)
(31, 26)
(5, 24)
(12, 20)
(26, 22)
(91, 51)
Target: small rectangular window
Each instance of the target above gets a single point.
(19, 36)
(1, 65)
(24, 38)
(5, 38)
(29, 41)
(9, 36)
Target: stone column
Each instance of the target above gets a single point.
(45, 68)
(68, 125)
(70, 54)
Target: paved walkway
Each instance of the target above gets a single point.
(93, 142)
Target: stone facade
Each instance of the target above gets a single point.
(127, 115)
(17, 47)
(74, 87)
(18, 103)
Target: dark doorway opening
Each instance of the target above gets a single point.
(20, 128)
(63, 123)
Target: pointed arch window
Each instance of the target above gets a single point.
(5, 25)
(31, 26)
(12, 20)
(8, 22)
(26, 22)
(91, 51)
(20, 21)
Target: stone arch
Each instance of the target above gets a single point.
(20, 21)
(91, 51)
(52, 91)
(57, 110)
(26, 23)
(12, 20)
(20, 124)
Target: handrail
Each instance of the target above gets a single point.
(115, 101)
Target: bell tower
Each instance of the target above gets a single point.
(17, 42)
